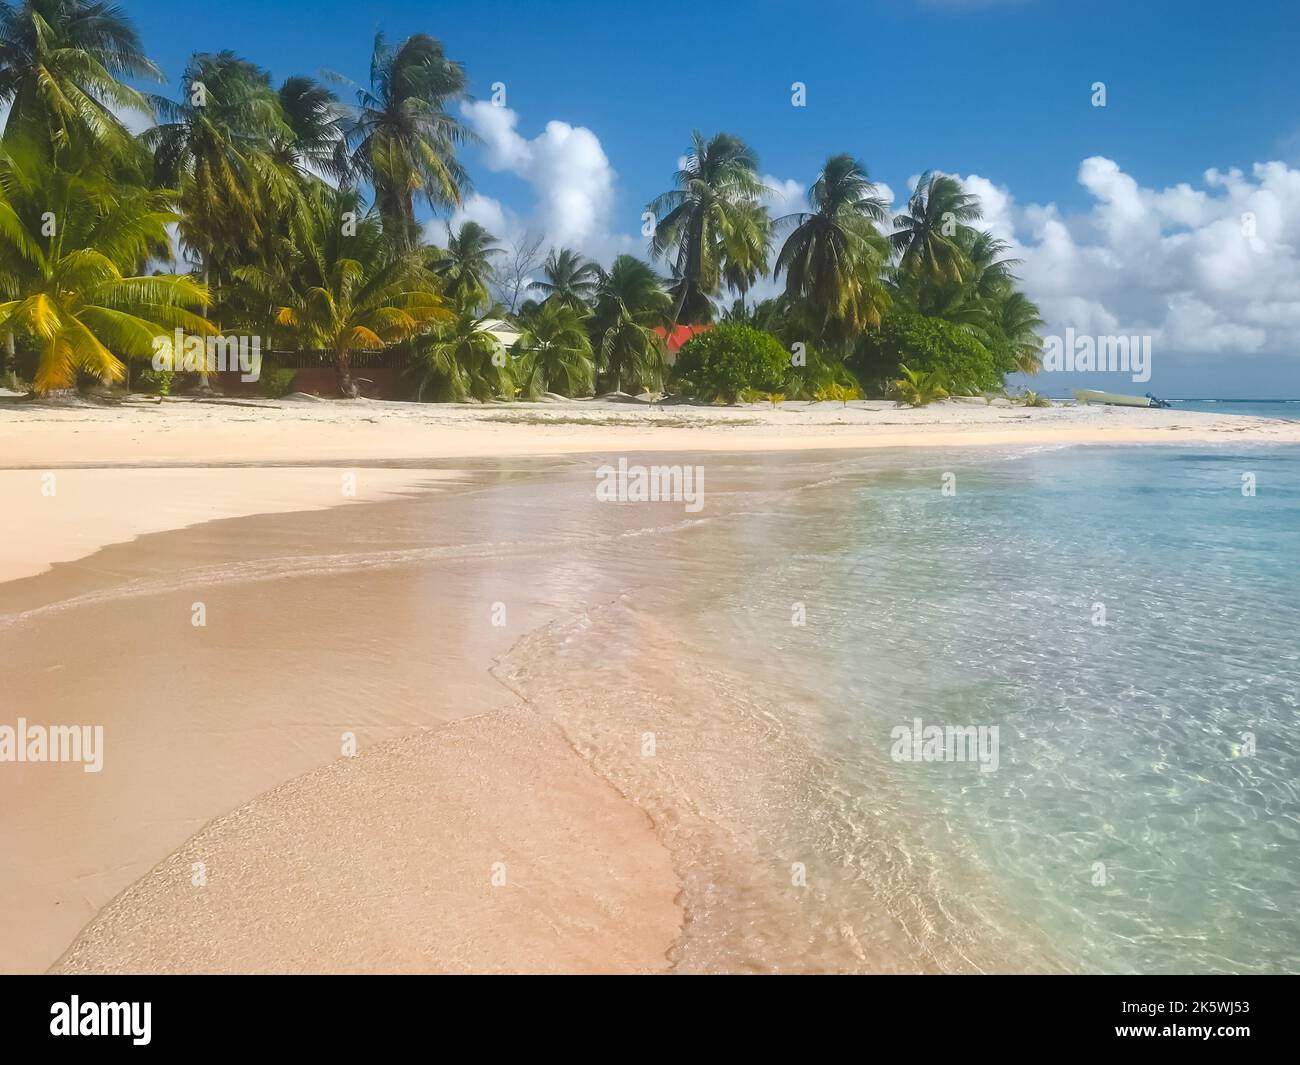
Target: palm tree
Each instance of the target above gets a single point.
(917, 388)
(747, 246)
(717, 187)
(348, 291)
(459, 359)
(402, 139)
(61, 68)
(1016, 322)
(554, 352)
(833, 255)
(571, 280)
(630, 305)
(991, 272)
(925, 235)
(79, 292)
(214, 148)
(465, 265)
(314, 129)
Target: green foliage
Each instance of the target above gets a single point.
(459, 360)
(929, 345)
(755, 395)
(553, 353)
(298, 219)
(569, 279)
(925, 233)
(917, 388)
(818, 373)
(276, 382)
(837, 393)
(155, 382)
(78, 293)
(1031, 399)
(63, 69)
(403, 138)
(630, 304)
(465, 265)
(345, 291)
(833, 257)
(709, 225)
(720, 364)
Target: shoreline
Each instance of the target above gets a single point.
(141, 469)
(192, 761)
(339, 432)
(156, 909)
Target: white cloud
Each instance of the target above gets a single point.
(1213, 269)
(491, 214)
(565, 165)
(784, 196)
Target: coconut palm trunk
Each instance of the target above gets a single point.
(205, 385)
(343, 369)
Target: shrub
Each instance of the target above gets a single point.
(819, 374)
(836, 392)
(276, 382)
(927, 345)
(155, 382)
(720, 364)
(917, 388)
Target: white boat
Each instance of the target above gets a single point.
(1114, 399)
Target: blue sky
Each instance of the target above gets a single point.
(998, 91)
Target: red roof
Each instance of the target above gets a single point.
(680, 334)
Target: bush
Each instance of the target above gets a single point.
(276, 382)
(720, 364)
(155, 382)
(837, 393)
(930, 346)
(820, 376)
(917, 388)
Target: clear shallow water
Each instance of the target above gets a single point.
(1126, 745)
(1286, 409)
(801, 844)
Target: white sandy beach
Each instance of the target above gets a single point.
(308, 877)
(189, 432)
(253, 457)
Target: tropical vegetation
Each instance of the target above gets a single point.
(321, 218)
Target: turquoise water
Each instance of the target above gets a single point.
(1288, 409)
(1144, 815)
(1120, 744)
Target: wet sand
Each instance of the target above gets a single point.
(66, 514)
(377, 620)
(419, 855)
(380, 620)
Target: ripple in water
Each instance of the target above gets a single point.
(1144, 815)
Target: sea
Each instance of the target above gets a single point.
(1031, 709)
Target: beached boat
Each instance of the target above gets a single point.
(1114, 399)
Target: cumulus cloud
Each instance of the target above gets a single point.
(1206, 268)
(565, 166)
(784, 196)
